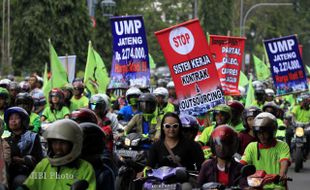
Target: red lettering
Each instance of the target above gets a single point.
(293, 76)
(181, 40)
(301, 74)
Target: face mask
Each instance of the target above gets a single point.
(133, 101)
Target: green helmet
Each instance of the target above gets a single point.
(68, 130)
(224, 109)
(4, 93)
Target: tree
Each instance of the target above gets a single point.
(65, 22)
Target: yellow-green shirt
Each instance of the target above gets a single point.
(78, 103)
(54, 115)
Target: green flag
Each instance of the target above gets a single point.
(261, 69)
(59, 76)
(250, 97)
(96, 77)
(46, 83)
(152, 63)
(243, 79)
(308, 69)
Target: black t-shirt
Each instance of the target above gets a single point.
(188, 153)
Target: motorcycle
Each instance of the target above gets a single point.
(131, 154)
(259, 179)
(246, 171)
(167, 178)
(299, 144)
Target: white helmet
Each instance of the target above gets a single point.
(133, 91)
(5, 82)
(242, 90)
(68, 130)
(269, 92)
(161, 91)
(170, 84)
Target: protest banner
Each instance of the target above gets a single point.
(287, 69)
(130, 62)
(69, 62)
(227, 53)
(192, 68)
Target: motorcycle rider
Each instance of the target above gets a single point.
(78, 100)
(62, 167)
(247, 135)
(127, 112)
(190, 126)
(222, 168)
(260, 95)
(25, 101)
(14, 89)
(25, 145)
(172, 97)
(141, 122)
(268, 154)
(92, 151)
(4, 101)
(301, 112)
(236, 110)
(270, 94)
(56, 109)
(163, 106)
(68, 94)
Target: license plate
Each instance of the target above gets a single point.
(127, 153)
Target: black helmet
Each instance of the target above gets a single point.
(189, 121)
(251, 111)
(224, 142)
(25, 101)
(147, 103)
(265, 122)
(21, 112)
(83, 115)
(14, 86)
(274, 106)
(93, 139)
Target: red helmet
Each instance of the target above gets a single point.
(83, 115)
(224, 142)
(236, 106)
(56, 92)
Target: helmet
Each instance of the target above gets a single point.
(38, 98)
(147, 103)
(189, 121)
(236, 107)
(274, 106)
(265, 122)
(10, 77)
(15, 86)
(242, 91)
(93, 139)
(269, 92)
(224, 142)
(161, 91)
(251, 111)
(68, 130)
(5, 83)
(132, 91)
(258, 85)
(56, 92)
(225, 110)
(68, 88)
(21, 112)
(25, 86)
(170, 84)
(4, 93)
(40, 81)
(162, 82)
(78, 85)
(25, 101)
(83, 115)
(101, 100)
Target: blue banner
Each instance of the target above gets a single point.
(286, 65)
(130, 62)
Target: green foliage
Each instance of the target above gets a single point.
(65, 22)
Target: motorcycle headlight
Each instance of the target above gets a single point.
(299, 132)
(135, 142)
(127, 141)
(254, 181)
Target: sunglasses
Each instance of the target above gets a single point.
(168, 126)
